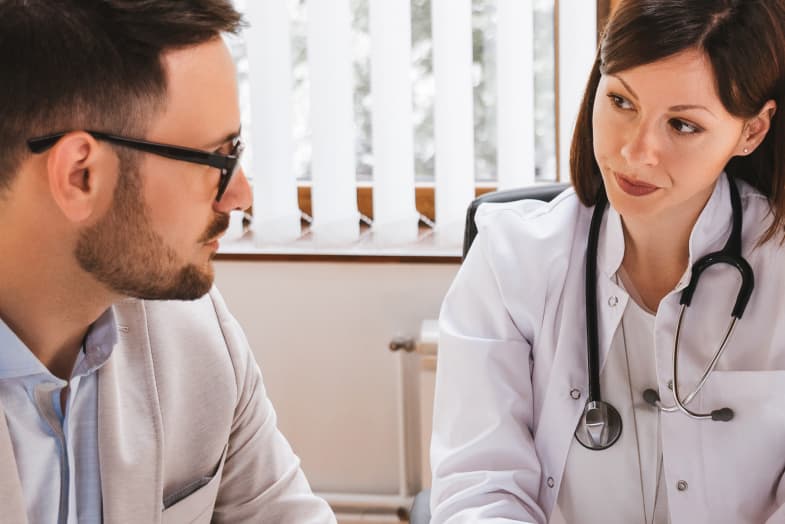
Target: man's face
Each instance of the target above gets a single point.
(158, 239)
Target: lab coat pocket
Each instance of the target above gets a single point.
(744, 457)
(194, 502)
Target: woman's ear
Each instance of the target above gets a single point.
(756, 128)
(77, 175)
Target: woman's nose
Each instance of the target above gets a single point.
(641, 147)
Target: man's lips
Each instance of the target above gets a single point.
(633, 187)
(212, 247)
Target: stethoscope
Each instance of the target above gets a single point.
(600, 424)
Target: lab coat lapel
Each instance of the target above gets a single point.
(11, 498)
(130, 431)
(611, 297)
(708, 234)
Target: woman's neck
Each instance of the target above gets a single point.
(656, 254)
(654, 264)
(657, 247)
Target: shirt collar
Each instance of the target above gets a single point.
(16, 359)
(98, 345)
(709, 233)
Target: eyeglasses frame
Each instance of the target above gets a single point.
(227, 164)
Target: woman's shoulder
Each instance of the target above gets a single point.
(752, 199)
(757, 219)
(532, 222)
(530, 236)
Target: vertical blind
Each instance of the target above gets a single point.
(577, 44)
(334, 189)
(395, 217)
(268, 48)
(515, 99)
(329, 57)
(453, 119)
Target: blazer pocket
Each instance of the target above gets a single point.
(194, 502)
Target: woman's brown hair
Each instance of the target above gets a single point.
(745, 43)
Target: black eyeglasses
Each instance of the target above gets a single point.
(227, 164)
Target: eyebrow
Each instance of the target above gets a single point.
(677, 108)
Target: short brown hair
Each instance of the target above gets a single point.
(74, 64)
(745, 42)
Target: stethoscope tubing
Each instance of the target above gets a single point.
(592, 335)
(730, 255)
(653, 398)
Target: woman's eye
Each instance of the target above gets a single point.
(620, 101)
(684, 128)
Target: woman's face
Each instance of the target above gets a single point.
(662, 137)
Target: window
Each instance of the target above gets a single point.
(484, 79)
(556, 86)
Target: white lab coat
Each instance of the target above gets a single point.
(512, 348)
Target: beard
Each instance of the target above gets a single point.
(123, 251)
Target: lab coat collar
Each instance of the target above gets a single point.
(709, 233)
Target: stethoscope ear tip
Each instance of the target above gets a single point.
(722, 415)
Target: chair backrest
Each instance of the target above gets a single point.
(546, 193)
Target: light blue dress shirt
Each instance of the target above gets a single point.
(56, 452)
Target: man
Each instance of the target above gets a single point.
(128, 392)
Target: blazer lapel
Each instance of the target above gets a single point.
(12, 501)
(129, 424)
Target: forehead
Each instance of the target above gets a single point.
(685, 78)
(201, 104)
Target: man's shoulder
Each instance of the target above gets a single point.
(179, 313)
(200, 323)
(194, 361)
(190, 342)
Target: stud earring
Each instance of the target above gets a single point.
(746, 150)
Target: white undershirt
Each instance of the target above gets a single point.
(605, 486)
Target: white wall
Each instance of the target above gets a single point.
(320, 331)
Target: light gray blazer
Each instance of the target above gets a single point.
(186, 432)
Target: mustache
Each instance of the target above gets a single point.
(217, 227)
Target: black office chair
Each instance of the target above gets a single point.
(421, 510)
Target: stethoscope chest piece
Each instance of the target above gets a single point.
(599, 426)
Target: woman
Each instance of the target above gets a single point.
(681, 116)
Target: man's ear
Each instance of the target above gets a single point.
(79, 174)
(757, 127)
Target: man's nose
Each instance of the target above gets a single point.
(238, 194)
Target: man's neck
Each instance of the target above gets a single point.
(49, 303)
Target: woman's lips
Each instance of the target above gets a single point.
(633, 188)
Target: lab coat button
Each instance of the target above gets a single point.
(613, 300)
(575, 393)
(550, 482)
(681, 485)
(670, 385)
